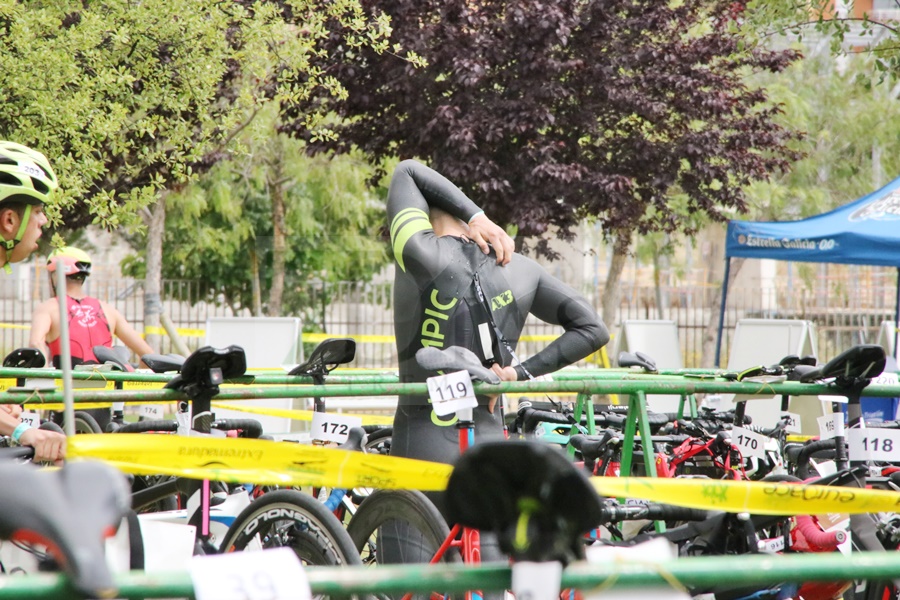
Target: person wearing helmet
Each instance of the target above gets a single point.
(26, 183)
(92, 322)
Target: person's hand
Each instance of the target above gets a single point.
(483, 231)
(14, 409)
(49, 446)
(505, 373)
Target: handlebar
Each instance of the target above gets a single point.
(613, 513)
(249, 428)
(157, 425)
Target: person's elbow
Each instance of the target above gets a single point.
(598, 334)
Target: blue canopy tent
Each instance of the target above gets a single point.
(864, 232)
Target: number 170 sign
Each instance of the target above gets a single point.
(451, 392)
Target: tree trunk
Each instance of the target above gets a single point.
(279, 246)
(156, 227)
(255, 288)
(612, 291)
(710, 334)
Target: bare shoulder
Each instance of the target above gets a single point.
(47, 306)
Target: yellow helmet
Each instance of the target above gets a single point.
(73, 261)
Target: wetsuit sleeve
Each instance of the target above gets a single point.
(414, 188)
(585, 333)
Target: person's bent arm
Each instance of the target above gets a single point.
(585, 333)
(414, 189)
(41, 322)
(129, 336)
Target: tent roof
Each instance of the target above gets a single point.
(864, 232)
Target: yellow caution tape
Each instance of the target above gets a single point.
(6, 383)
(301, 415)
(60, 406)
(257, 461)
(185, 331)
(13, 326)
(756, 497)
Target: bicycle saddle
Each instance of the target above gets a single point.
(206, 368)
(636, 359)
(455, 358)
(163, 363)
(529, 494)
(326, 357)
(116, 355)
(851, 368)
(25, 358)
(69, 510)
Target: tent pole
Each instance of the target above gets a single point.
(897, 313)
(722, 309)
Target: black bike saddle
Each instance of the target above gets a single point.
(455, 358)
(25, 358)
(853, 367)
(326, 357)
(116, 355)
(529, 494)
(206, 368)
(163, 363)
(636, 359)
(70, 510)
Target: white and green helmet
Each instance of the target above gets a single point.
(26, 177)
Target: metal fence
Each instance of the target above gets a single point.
(842, 317)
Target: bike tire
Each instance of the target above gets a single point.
(296, 520)
(379, 441)
(410, 506)
(85, 423)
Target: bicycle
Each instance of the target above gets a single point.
(226, 519)
(37, 514)
(386, 509)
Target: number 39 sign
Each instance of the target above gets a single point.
(451, 392)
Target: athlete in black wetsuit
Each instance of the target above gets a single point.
(437, 303)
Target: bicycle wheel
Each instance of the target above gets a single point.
(86, 423)
(379, 440)
(422, 525)
(295, 520)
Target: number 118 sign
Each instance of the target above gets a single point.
(451, 392)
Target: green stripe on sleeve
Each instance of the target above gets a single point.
(403, 216)
(406, 231)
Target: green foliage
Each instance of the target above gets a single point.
(129, 98)
(224, 222)
(852, 141)
(547, 113)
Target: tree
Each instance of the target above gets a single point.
(548, 112)
(129, 99)
(224, 234)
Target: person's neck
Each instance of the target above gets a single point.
(75, 290)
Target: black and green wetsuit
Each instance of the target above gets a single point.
(436, 304)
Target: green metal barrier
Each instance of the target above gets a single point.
(624, 385)
(748, 570)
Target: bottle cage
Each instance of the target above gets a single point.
(326, 357)
(25, 358)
